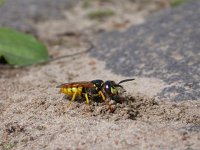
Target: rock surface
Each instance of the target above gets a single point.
(165, 47)
(22, 14)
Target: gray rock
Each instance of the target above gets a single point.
(22, 14)
(167, 47)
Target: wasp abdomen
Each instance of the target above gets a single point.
(71, 90)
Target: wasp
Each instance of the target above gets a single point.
(92, 89)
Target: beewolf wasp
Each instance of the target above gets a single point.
(92, 89)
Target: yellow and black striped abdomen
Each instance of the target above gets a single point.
(71, 90)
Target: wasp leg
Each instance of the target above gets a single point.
(104, 99)
(73, 98)
(87, 101)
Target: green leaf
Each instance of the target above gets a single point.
(21, 49)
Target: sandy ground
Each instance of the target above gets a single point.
(35, 116)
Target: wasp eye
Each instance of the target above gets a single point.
(107, 89)
(108, 86)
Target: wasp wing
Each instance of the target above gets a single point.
(86, 84)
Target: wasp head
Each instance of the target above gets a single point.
(112, 88)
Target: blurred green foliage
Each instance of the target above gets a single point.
(176, 2)
(1, 2)
(87, 3)
(101, 14)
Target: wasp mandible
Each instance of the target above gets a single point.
(91, 89)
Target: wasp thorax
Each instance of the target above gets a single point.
(98, 84)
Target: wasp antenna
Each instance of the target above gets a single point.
(117, 85)
(126, 80)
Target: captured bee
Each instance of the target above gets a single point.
(94, 89)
